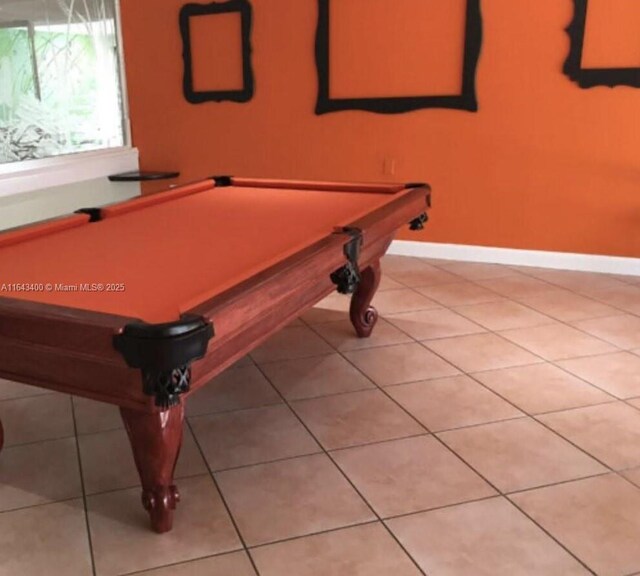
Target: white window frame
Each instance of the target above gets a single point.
(30, 175)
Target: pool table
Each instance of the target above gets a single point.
(141, 303)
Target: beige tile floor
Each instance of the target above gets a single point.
(490, 426)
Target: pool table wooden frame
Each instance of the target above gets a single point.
(73, 351)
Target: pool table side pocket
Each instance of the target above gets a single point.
(247, 315)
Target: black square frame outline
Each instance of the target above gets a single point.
(188, 11)
(590, 77)
(466, 100)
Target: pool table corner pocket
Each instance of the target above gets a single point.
(164, 353)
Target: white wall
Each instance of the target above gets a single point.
(40, 189)
(27, 207)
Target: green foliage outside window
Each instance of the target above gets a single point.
(59, 82)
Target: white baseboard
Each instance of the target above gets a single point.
(537, 258)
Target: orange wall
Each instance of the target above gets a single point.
(544, 164)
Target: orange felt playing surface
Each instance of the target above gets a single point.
(173, 255)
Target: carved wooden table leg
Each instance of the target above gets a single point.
(363, 315)
(156, 438)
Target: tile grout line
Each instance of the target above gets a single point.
(573, 292)
(554, 362)
(497, 333)
(183, 562)
(423, 426)
(382, 389)
(384, 519)
(320, 533)
(139, 486)
(484, 330)
(33, 442)
(476, 282)
(344, 475)
(560, 483)
(26, 397)
(544, 360)
(527, 414)
(463, 372)
(506, 496)
(472, 375)
(499, 492)
(535, 417)
(84, 493)
(39, 505)
(524, 271)
(545, 531)
(344, 448)
(221, 494)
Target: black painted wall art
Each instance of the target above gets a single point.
(465, 100)
(590, 77)
(188, 13)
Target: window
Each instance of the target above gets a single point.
(60, 88)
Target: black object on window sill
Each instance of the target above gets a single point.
(137, 176)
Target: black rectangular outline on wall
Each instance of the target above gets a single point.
(188, 11)
(590, 77)
(466, 100)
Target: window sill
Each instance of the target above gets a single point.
(21, 177)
